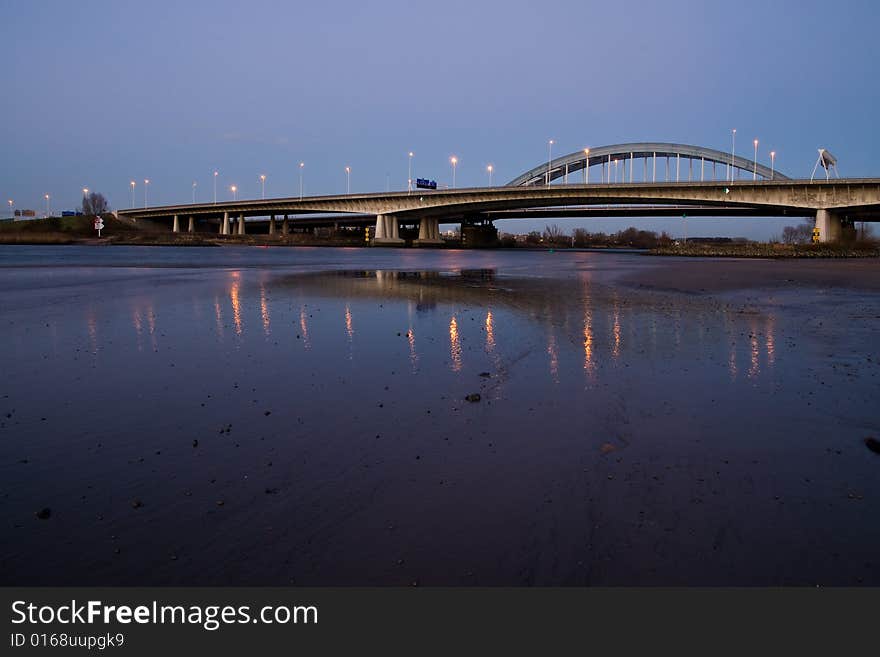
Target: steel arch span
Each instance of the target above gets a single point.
(661, 162)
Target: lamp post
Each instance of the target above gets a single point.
(234, 191)
(409, 173)
(11, 208)
(490, 169)
(195, 184)
(132, 184)
(85, 197)
(772, 163)
(301, 166)
(454, 161)
(263, 186)
(755, 169)
(146, 184)
(732, 154)
(348, 180)
(47, 204)
(215, 186)
(586, 166)
(549, 159)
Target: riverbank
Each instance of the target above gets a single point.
(765, 250)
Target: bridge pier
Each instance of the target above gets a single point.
(429, 232)
(191, 228)
(387, 231)
(224, 225)
(285, 227)
(241, 224)
(176, 227)
(829, 225)
(272, 224)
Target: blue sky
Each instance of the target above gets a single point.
(97, 94)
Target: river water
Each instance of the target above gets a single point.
(301, 416)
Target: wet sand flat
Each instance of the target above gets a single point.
(175, 416)
(724, 274)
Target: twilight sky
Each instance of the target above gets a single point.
(98, 93)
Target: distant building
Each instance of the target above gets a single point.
(25, 215)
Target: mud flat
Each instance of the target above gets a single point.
(351, 416)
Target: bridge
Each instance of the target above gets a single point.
(687, 181)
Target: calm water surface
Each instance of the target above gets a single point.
(276, 416)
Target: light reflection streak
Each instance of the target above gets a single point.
(151, 322)
(138, 322)
(770, 340)
(490, 332)
(754, 351)
(349, 326)
(553, 353)
(235, 299)
(93, 330)
(615, 349)
(264, 309)
(454, 345)
(304, 327)
(218, 313)
(588, 330)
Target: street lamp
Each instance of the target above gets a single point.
(47, 204)
(85, 191)
(586, 166)
(348, 180)
(301, 165)
(11, 208)
(215, 187)
(146, 183)
(490, 168)
(234, 189)
(755, 170)
(409, 173)
(454, 161)
(262, 185)
(131, 184)
(732, 154)
(772, 163)
(549, 159)
(195, 184)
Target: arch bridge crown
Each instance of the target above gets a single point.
(653, 154)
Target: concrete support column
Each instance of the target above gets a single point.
(241, 224)
(176, 227)
(192, 225)
(387, 231)
(224, 227)
(272, 224)
(830, 228)
(380, 227)
(285, 226)
(429, 231)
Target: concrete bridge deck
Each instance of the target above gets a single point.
(830, 201)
